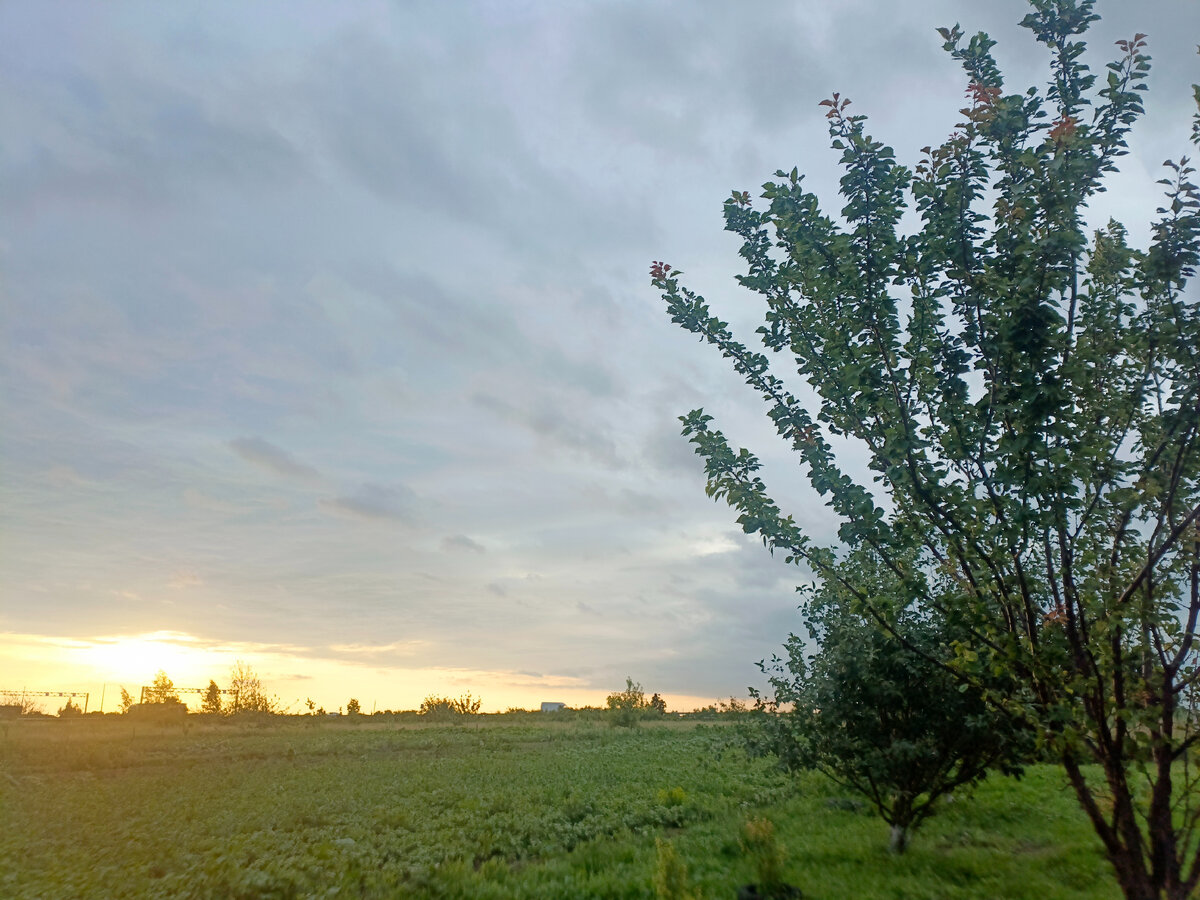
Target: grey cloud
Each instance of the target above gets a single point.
(460, 542)
(136, 139)
(670, 452)
(425, 126)
(376, 502)
(683, 83)
(438, 323)
(422, 230)
(638, 505)
(556, 426)
(275, 459)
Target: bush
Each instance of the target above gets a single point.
(69, 710)
(436, 707)
(627, 707)
(879, 711)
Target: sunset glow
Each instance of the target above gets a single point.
(102, 666)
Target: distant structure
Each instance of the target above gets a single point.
(553, 707)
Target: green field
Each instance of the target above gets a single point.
(502, 807)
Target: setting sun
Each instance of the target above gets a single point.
(136, 658)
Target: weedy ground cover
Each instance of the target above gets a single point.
(104, 809)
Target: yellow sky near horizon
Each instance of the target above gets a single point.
(101, 666)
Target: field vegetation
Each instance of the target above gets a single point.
(514, 805)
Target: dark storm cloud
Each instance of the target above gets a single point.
(275, 459)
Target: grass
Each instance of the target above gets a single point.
(106, 809)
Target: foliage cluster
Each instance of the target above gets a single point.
(450, 708)
(628, 707)
(211, 701)
(69, 709)
(249, 696)
(161, 690)
(23, 703)
(881, 712)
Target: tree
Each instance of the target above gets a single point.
(658, 704)
(882, 720)
(126, 700)
(248, 693)
(161, 690)
(1026, 397)
(627, 706)
(212, 699)
(352, 708)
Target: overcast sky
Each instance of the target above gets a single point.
(327, 340)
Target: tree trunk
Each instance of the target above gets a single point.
(1123, 842)
(898, 842)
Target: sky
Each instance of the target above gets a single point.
(327, 341)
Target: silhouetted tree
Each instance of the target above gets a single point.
(248, 693)
(212, 699)
(161, 690)
(69, 709)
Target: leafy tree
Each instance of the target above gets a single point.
(211, 702)
(627, 706)
(658, 704)
(161, 690)
(248, 692)
(126, 700)
(352, 708)
(884, 721)
(1025, 395)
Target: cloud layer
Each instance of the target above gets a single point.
(328, 327)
